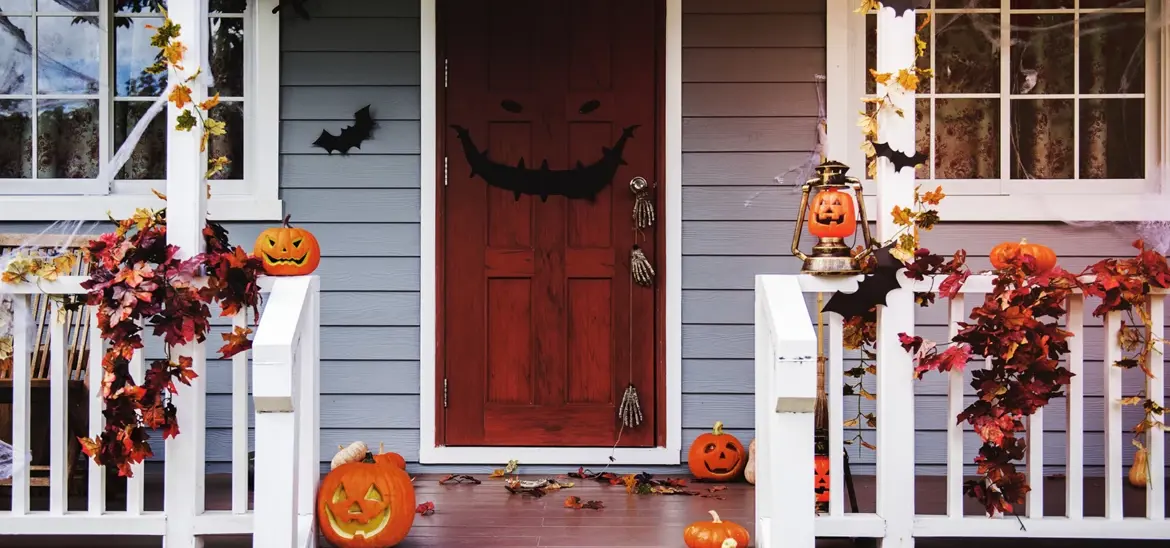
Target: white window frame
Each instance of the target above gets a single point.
(1009, 200)
(255, 197)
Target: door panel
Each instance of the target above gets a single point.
(543, 328)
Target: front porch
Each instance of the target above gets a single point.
(487, 516)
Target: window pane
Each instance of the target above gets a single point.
(15, 139)
(12, 6)
(967, 53)
(1042, 54)
(16, 57)
(140, 6)
(232, 144)
(149, 160)
(1113, 3)
(133, 55)
(1113, 53)
(967, 4)
(1112, 139)
(922, 136)
(1042, 139)
(925, 85)
(67, 139)
(70, 6)
(227, 56)
(966, 139)
(227, 6)
(68, 56)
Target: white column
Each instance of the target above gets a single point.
(186, 214)
(895, 399)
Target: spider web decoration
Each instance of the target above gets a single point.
(797, 175)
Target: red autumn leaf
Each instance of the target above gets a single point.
(237, 341)
(427, 508)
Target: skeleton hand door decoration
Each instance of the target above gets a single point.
(640, 268)
(643, 215)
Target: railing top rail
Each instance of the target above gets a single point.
(785, 311)
(975, 284)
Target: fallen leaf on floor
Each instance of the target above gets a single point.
(512, 466)
(427, 508)
(577, 504)
(535, 488)
(497, 473)
(645, 484)
(713, 492)
(459, 478)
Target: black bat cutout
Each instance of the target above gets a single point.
(581, 182)
(902, 6)
(900, 159)
(871, 291)
(511, 106)
(297, 6)
(589, 106)
(351, 136)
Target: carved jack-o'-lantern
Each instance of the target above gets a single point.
(288, 251)
(831, 215)
(821, 482)
(716, 456)
(366, 505)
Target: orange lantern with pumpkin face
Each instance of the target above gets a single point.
(832, 215)
(821, 481)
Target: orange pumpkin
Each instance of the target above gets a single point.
(1044, 256)
(366, 504)
(716, 456)
(288, 251)
(711, 534)
(393, 459)
(831, 215)
(821, 481)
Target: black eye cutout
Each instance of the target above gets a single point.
(589, 106)
(511, 106)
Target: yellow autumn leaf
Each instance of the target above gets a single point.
(173, 53)
(210, 103)
(908, 79)
(881, 78)
(159, 195)
(867, 148)
(180, 95)
(871, 167)
(868, 6)
(902, 216)
(215, 165)
(1132, 400)
(851, 423)
(868, 125)
(214, 127)
(925, 22)
(865, 394)
(933, 197)
(919, 46)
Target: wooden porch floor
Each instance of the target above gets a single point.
(487, 516)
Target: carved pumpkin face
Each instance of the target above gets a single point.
(831, 215)
(821, 479)
(288, 251)
(716, 456)
(365, 505)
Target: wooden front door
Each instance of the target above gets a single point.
(542, 328)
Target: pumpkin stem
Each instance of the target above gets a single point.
(714, 516)
(718, 429)
(1023, 241)
(286, 218)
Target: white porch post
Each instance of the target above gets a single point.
(186, 213)
(895, 397)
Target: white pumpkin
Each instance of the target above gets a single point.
(355, 452)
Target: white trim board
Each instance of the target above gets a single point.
(429, 453)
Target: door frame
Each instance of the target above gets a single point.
(668, 332)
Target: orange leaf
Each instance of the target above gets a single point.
(180, 95)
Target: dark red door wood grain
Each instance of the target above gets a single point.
(542, 327)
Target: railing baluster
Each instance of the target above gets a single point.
(94, 372)
(240, 424)
(1074, 457)
(21, 383)
(1035, 463)
(954, 428)
(135, 486)
(834, 380)
(1113, 425)
(308, 414)
(58, 412)
(1155, 390)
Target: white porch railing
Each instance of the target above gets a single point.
(286, 368)
(786, 379)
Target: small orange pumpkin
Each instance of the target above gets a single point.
(392, 459)
(716, 456)
(288, 251)
(832, 215)
(711, 534)
(368, 504)
(1044, 257)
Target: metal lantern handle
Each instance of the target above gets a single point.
(804, 192)
(869, 242)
